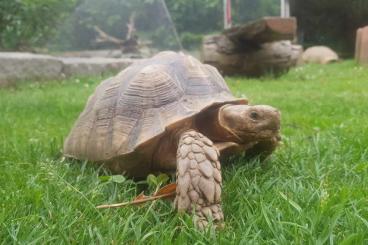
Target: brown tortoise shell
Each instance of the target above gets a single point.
(141, 102)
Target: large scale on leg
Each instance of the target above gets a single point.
(198, 178)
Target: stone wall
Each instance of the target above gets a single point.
(16, 66)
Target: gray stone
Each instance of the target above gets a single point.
(111, 53)
(319, 55)
(92, 66)
(24, 66)
(15, 66)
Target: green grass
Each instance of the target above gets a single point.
(314, 189)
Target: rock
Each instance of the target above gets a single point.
(319, 55)
(92, 66)
(104, 53)
(26, 66)
(15, 66)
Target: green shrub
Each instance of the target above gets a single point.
(191, 40)
(29, 23)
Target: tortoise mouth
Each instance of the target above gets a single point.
(260, 136)
(248, 144)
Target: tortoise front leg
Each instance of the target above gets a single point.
(198, 178)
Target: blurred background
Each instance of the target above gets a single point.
(74, 25)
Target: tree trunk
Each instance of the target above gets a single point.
(249, 59)
(255, 48)
(267, 29)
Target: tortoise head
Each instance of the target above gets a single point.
(250, 122)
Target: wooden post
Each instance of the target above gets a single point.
(358, 42)
(227, 14)
(361, 50)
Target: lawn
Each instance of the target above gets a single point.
(314, 189)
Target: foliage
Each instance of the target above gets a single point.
(113, 178)
(191, 40)
(191, 18)
(78, 33)
(313, 190)
(194, 18)
(155, 182)
(25, 24)
(68, 24)
(247, 10)
(28, 23)
(112, 16)
(207, 16)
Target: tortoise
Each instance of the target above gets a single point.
(172, 113)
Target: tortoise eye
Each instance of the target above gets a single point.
(254, 115)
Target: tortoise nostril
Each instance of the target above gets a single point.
(254, 115)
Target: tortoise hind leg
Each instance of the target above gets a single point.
(198, 178)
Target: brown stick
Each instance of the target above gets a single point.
(117, 205)
(131, 27)
(104, 37)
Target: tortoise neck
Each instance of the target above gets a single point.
(209, 124)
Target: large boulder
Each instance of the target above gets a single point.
(92, 66)
(16, 66)
(319, 55)
(22, 66)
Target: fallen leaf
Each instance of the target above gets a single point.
(168, 191)
(140, 197)
(170, 188)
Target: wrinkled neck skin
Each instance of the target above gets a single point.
(208, 123)
(227, 142)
